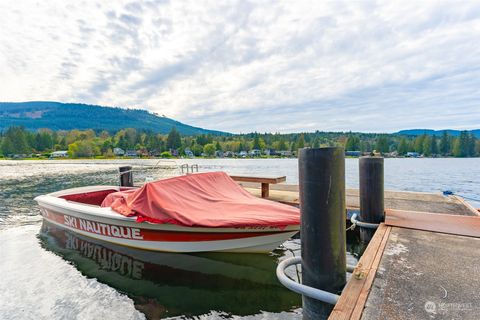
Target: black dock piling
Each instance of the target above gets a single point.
(372, 208)
(126, 176)
(322, 205)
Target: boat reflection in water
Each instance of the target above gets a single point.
(173, 284)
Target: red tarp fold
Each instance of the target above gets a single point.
(201, 200)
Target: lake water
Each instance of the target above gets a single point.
(48, 273)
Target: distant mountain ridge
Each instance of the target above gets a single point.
(430, 132)
(68, 116)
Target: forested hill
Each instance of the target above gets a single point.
(67, 116)
(429, 132)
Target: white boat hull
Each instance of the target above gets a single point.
(106, 225)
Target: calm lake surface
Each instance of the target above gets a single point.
(48, 273)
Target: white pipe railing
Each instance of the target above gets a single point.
(302, 289)
(361, 224)
(313, 293)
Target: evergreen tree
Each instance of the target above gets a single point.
(445, 144)
(434, 145)
(365, 146)
(382, 144)
(202, 139)
(122, 143)
(46, 140)
(418, 144)
(7, 147)
(402, 147)
(462, 145)
(15, 141)
(37, 143)
(282, 145)
(457, 151)
(301, 142)
(427, 146)
(293, 148)
(174, 140)
(470, 145)
(54, 137)
(63, 143)
(130, 137)
(154, 142)
(256, 143)
(106, 146)
(352, 143)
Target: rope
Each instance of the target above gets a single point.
(450, 193)
(352, 227)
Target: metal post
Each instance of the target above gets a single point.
(323, 239)
(126, 176)
(372, 208)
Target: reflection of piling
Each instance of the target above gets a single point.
(322, 205)
(371, 194)
(126, 176)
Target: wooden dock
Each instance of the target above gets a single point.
(410, 273)
(422, 263)
(399, 200)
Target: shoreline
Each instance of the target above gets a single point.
(204, 158)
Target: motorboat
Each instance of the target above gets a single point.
(191, 213)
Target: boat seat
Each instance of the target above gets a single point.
(93, 198)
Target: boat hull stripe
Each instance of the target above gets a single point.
(139, 234)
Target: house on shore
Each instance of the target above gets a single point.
(413, 154)
(189, 153)
(229, 154)
(255, 153)
(155, 153)
(270, 152)
(118, 152)
(59, 154)
(131, 153)
(143, 152)
(285, 153)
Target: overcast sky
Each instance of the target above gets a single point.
(252, 66)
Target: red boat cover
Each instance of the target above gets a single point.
(201, 200)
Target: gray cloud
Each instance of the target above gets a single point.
(242, 66)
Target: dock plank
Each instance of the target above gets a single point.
(444, 223)
(362, 298)
(353, 296)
